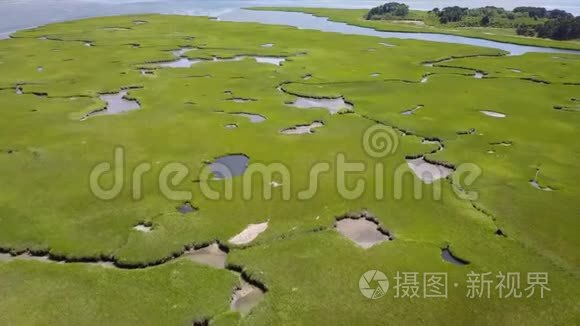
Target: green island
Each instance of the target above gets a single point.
(500, 28)
(502, 129)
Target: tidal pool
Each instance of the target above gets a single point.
(184, 62)
(229, 166)
(179, 63)
(116, 104)
(448, 256)
(302, 129)
(333, 105)
(253, 117)
(186, 208)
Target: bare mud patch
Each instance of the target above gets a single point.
(333, 105)
(212, 255)
(363, 229)
(249, 234)
(302, 129)
(115, 28)
(470, 131)
(6, 257)
(144, 227)
(409, 21)
(502, 143)
(270, 60)
(241, 100)
(534, 183)
(493, 114)
(147, 72)
(245, 297)
(428, 172)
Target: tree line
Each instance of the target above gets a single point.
(391, 9)
(528, 21)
